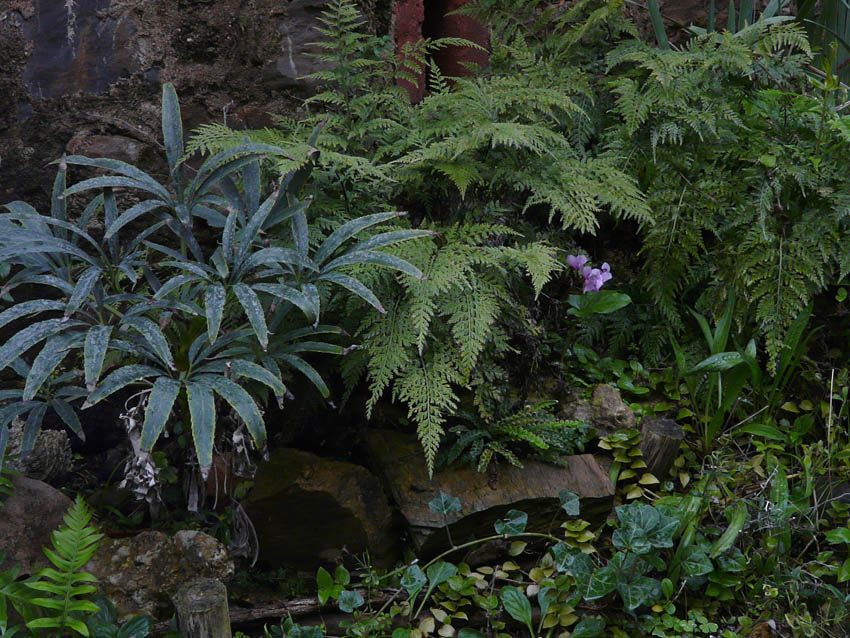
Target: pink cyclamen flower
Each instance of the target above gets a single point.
(594, 278)
(576, 261)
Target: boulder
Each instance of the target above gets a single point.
(485, 497)
(307, 509)
(141, 573)
(606, 411)
(27, 518)
(48, 461)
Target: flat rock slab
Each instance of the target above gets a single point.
(306, 509)
(485, 497)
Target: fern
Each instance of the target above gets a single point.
(744, 170)
(73, 546)
(531, 429)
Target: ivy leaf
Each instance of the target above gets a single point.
(444, 504)
(513, 523)
(638, 591)
(589, 628)
(697, 562)
(517, 605)
(570, 560)
(632, 538)
(602, 582)
(349, 601)
(569, 502)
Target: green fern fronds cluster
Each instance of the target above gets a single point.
(533, 429)
(744, 169)
(433, 339)
(65, 584)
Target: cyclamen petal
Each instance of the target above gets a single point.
(594, 281)
(606, 267)
(576, 261)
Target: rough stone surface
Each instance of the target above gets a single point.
(606, 411)
(141, 573)
(50, 457)
(27, 518)
(485, 497)
(86, 75)
(306, 509)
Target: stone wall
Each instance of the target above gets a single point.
(84, 76)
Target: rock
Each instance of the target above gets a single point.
(49, 459)
(118, 147)
(606, 410)
(27, 518)
(485, 497)
(306, 509)
(297, 34)
(140, 574)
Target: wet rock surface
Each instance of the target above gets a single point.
(606, 411)
(485, 497)
(307, 509)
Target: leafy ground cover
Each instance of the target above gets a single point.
(589, 208)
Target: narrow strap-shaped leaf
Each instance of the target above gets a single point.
(131, 214)
(10, 412)
(200, 341)
(220, 263)
(31, 335)
(279, 255)
(54, 351)
(69, 417)
(256, 372)
(254, 311)
(141, 237)
(185, 234)
(111, 181)
(29, 243)
(250, 150)
(355, 286)
(58, 205)
(308, 371)
(49, 222)
(28, 308)
(251, 182)
(313, 346)
(210, 215)
(312, 293)
(202, 413)
(310, 331)
(347, 231)
(173, 284)
(250, 232)
(214, 297)
(110, 214)
(240, 401)
(120, 378)
(160, 403)
(374, 257)
(172, 131)
(300, 234)
(228, 236)
(390, 238)
(33, 426)
(94, 352)
(281, 210)
(293, 296)
(202, 271)
(165, 250)
(151, 332)
(233, 197)
(201, 187)
(82, 290)
(122, 168)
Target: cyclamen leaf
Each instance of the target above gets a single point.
(350, 600)
(413, 580)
